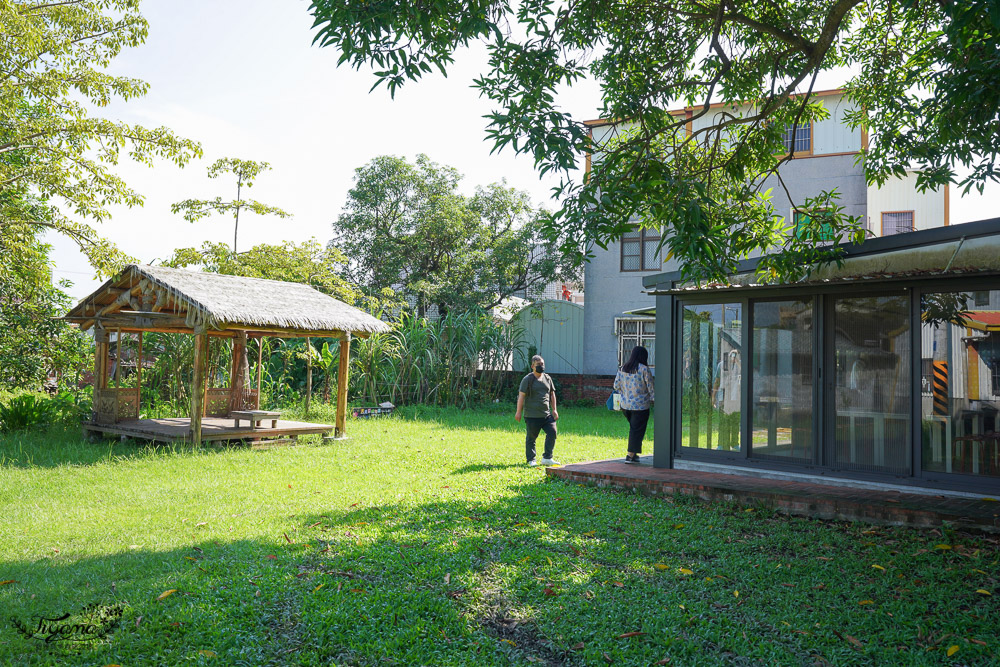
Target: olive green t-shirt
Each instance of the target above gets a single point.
(536, 395)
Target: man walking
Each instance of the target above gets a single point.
(536, 400)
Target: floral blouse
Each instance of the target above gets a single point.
(636, 389)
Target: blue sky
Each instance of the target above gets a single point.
(242, 77)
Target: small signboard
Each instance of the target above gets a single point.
(365, 413)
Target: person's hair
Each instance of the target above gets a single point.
(535, 359)
(640, 355)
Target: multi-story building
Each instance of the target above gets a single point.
(825, 156)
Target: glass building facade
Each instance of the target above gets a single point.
(892, 378)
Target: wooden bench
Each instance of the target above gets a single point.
(255, 417)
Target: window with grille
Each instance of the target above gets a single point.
(639, 250)
(897, 222)
(798, 139)
(635, 332)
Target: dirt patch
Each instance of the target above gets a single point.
(522, 639)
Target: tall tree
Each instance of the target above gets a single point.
(927, 90)
(246, 172)
(53, 152)
(407, 225)
(33, 341)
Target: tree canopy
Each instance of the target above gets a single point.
(55, 156)
(406, 225)
(924, 80)
(33, 341)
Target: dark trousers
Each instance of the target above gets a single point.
(534, 425)
(637, 421)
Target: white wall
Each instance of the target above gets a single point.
(900, 194)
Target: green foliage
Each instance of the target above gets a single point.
(407, 224)
(246, 172)
(34, 344)
(457, 360)
(55, 59)
(926, 89)
(26, 411)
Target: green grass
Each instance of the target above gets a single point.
(425, 540)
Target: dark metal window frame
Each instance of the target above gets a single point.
(645, 236)
(823, 298)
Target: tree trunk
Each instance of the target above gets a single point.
(345, 357)
(198, 385)
(309, 374)
(239, 377)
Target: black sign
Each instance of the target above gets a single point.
(94, 621)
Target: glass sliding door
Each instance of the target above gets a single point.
(960, 387)
(872, 384)
(782, 381)
(711, 376)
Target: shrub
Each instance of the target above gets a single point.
(27, 410)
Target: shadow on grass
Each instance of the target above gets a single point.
(396, 583)
(551, 574)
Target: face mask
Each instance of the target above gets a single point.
(539, 368)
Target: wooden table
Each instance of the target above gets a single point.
(255, 417)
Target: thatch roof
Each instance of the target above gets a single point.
(220, 302)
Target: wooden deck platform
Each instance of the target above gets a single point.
(212, 428)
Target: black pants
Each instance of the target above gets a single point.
(536, 424)
(637, 420)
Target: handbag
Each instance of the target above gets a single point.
(614, 401)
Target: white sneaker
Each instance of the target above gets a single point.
(532, 463)
(550, 462)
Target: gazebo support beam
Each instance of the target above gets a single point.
(260, 369)
(340, 428)
(309, 373)
(198, 383)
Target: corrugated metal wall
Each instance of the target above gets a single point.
(555, 330)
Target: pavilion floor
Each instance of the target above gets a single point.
(175, 429)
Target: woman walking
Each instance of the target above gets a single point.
(634, 383)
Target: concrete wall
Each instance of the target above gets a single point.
(807, 177)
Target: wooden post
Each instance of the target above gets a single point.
(138, 379)
(118, 358)
(100, 359)
(239, 376)
(198, 383)
(340, 429)
(309, 374)
(260, 359)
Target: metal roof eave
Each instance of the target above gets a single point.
(663, 283)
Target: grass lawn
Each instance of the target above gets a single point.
(425, 540)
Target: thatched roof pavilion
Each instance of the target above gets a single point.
(155, 298)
